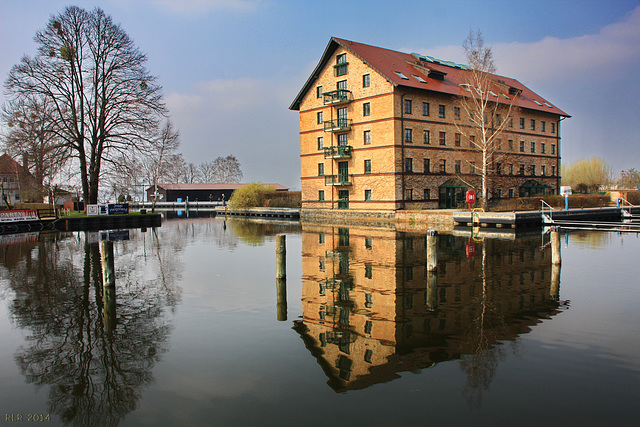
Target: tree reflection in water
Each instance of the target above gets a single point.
(96, 374)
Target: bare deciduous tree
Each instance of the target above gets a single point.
(31, 137)
(227, 170)
(488, 106)
(104, 100)
(587, 175)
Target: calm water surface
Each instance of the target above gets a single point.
(197, 335)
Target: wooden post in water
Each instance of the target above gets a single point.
(432, 290)
(555, 282)
(108, 285)
(556, 259)
(281, 276)
(108, 274)
(432, 250)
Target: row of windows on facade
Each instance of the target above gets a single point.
(343, 139)
(426, 110)
(410, 195)
(442, 168)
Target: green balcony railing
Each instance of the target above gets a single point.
(337, 125)
(336, 97)
(339, 152)
(341, 179)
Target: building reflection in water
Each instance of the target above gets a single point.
(372, 310)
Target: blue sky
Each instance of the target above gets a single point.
(231, 68)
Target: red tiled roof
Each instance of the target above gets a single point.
(8, 165)
(387, 62)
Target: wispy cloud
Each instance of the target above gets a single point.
(190, 7)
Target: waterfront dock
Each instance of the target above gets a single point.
(538, 218)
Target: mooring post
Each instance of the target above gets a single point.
(108, 285)
(106, 255)
(555, 246)
(281, 276)
(432, 291)
(555, 282)
(432, 251)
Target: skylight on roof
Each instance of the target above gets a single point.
(420, 79)
(548, 105)
(491, 93)
(402, 76)
(536, 101)
(505, 96)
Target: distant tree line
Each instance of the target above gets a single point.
(594, 174)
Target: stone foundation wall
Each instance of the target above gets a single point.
(401, 220)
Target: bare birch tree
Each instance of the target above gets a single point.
(104, 100)
(486, 106)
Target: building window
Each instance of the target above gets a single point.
(498, 168)
(427, 165)
(543, 170)
(408, 135)
(426, 135)
(409, 194)
(341, 85)
(341, 64)
(456, 113)
(366, 109)
(367, 166)
(427, 194)
(425, 108)
(553, 171)
(543, 126)
(320, 169)
(510, 122)
(320, 120)
(511, 145)
(367, 137)
(319, 92)
(457, 166)
(441, 111)
(343, 139)
(366, 80)
(472, 141)
(367, 195)
(443, 166)
(510, 168)
(321, 198)
(553, 128)
(320, 142)
(521, 122)
(522, 146)
(522, 170)
(407, 106)
(408, 164)
(511, 193)
(553, 148)
(533, 170)
(456, 139)
(443, 138)
(368, 243)
(533, 124)
(368, 268)
(533, 147)
(472, 167)
(543, 147)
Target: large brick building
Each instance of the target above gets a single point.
(383, 130)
